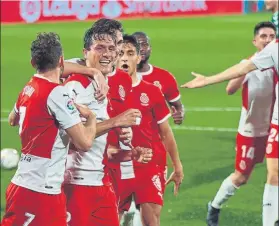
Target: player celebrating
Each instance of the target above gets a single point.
(159, 77)
(87, 186)
(265, 59)
(257, 102)
(43, 111)
(145, 181)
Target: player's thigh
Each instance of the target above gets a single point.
(149, 186)
(150, 213)
(126, 189)
(79, 204)
(29, 208)
(249, 151)
(106, 210)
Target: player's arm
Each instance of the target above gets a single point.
(61, 106)
(234, 85)
(171, 147)
(80, 68)
(13, 118)
(263, 60)
(173, 98)
(125, 119)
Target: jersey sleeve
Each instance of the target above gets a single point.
(62, 107)
(160, 109)
(73, 60)
(264, 59)
(172, 93)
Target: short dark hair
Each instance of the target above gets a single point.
(132, 40)
(97, 33)
(109, 25)
(46, 51)
(264, 24)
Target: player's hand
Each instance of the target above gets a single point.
(142, 155)
(85, 112)
(111, 151)
(198, 82)
(101, 83)
(177, 177)
(126, 135)
(178, 116)
(128, 118)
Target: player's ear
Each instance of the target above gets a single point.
(85, 51)
(32, 63)
(61, 62)
(139, 59)
(254, 42)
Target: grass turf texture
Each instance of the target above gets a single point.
(205, 45)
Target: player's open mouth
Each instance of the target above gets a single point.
(104, 62)
(125, 67)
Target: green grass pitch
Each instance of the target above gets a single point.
(205, 45)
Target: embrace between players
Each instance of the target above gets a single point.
(111, 113)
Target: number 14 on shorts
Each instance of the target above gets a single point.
(248, 153)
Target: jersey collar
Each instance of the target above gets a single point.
(112, 73)
(147, 72)
(42, 77)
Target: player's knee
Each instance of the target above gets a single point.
(272, 177)
(239, 179)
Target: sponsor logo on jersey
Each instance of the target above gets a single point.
(158, 84)
(157, 182)
(121, 92)
(70, 105)
(144, 99)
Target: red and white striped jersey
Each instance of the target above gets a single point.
(257, 103)
(87, 168)
(45, 111)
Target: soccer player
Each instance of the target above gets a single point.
(265, 59)
(257, 102)
(87, 186)
(159, 77)
(47, 119)
(145, 181)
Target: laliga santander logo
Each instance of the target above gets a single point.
(32, 10)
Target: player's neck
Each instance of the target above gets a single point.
(275, 10)
(53, 75)
(144, 67)
(134, 77)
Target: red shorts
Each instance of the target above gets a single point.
(272, 143)
(27, 207)
(91, 205)
(249, 151)
(146, 187)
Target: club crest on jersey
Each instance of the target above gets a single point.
(144, 99)
(242, 165)
(158, 84)
(121, 92)
(157, 182)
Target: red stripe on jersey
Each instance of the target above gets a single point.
(277, 40)
(245, 95)
(84, 81)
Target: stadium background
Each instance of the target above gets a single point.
(207, 37)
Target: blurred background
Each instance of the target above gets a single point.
(201, 36)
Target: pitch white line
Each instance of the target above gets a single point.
(209, 129)
(189, 109)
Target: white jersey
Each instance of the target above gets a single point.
(268, 57)
(87, 168)
(257, 103)
(45, 111)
